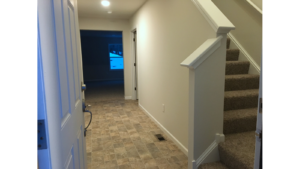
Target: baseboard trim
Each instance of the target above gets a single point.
(181, 147)
(218, 138)
(247, 55)
(209, 149)
(255, 6)
(128, 97)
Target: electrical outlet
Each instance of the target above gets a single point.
(163, 107)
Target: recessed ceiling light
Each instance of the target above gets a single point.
(105, 3)
(109, 12)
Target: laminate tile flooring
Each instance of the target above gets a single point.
(122, 136)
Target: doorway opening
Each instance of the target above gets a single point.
(103, 64)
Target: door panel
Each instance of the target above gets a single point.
(63, 89)
(74, 50)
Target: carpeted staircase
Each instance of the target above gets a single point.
(240, 109)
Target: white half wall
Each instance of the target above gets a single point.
(168, 31)
(114, 25)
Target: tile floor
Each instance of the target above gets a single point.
(121, 135)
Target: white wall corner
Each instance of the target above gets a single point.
(244, 53)
(128, 97)
(177, 142)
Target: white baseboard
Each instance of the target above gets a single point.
(181, 147)
(128, 97)
(244, 52)
(211, 151)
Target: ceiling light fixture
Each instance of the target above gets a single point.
(105, 3)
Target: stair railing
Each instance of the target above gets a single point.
(206, 88)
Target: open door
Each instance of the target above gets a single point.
(59, 82)
(259, 134)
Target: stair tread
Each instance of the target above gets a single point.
(240, 113)
(241, 93)
(213, 165)
(239, 149)
(240, 76)
(240, 120)
(232, 54)
(237, 67)
(241, 82)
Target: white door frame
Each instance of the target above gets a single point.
(135, 83)
(258, 140)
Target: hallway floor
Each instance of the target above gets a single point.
(122, 136)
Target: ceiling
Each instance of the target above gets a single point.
(121, 9)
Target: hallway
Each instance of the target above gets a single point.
(121, 135)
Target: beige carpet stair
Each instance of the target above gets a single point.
(240, 99)
(214, 165)
(237, 152)
(237, 67)
(232, 54)
(240, 113)
(242, 120)
(241, 82)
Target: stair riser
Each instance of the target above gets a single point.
(232, 55)
(241, 83)
(234, 69)
(228, 43)
(230, 161)
(234, 103)
(239, 125)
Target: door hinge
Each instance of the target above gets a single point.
(42, 141)
(135, 88)
(260, 105)
(133, 39)
(259, 135)
(134, 64)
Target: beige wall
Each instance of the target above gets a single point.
(168, 31)
(117, 25)
(248, 25)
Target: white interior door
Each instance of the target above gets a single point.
(258, 141)
(62, 76)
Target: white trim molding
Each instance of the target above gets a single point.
(178, 143)
(243, 50)
(255, 6)
(217, 20)
(202, 52)
(218, 139)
